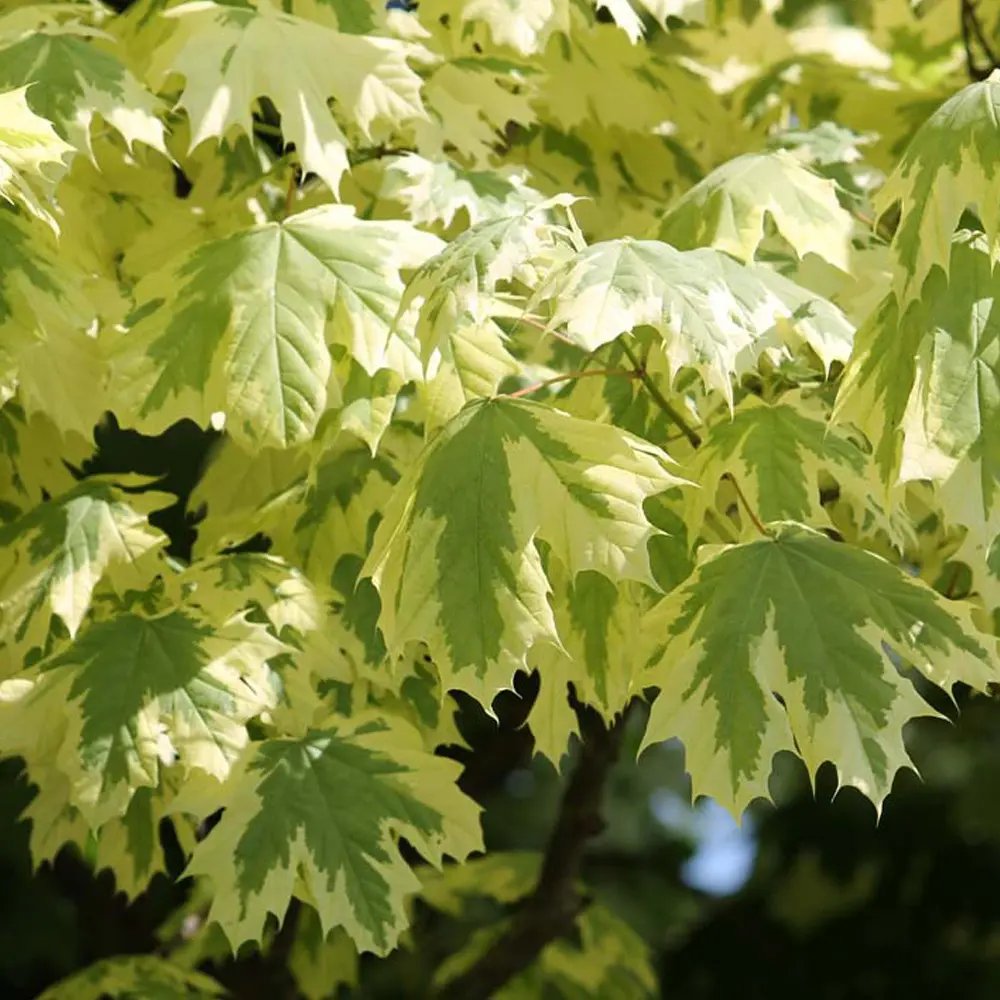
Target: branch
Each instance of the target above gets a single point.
(972, 29)
(585, 373)
(757, 523)
(661, 401)
(551, 910)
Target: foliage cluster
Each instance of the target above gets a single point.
(641, 352)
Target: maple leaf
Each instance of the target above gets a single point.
(729, 208)
(775, 453)
(243, 325)
(43, 317)
(230, 55)
(712, 313)
(32, 156)
(950, 163)
(924, 385)
(807, 619)
(454, 559)
(184, 688)
(436, 191)
(53, 557)
(287, 822)
(71, 79)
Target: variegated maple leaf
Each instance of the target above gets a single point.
(231, 55)
(728, 210)
(320, 817)
(951, 163)
(712, 312)
(780, 644)
(454, 559)
(244, 325)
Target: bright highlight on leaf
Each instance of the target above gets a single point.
(712, 313)
(231, 55)
(245, 325)
(779, 645)
(729, 208)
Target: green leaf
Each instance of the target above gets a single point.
(712, 313)
(244, 325)
(135, 977)
(319, 817)
(924, 386)
(31, 156)
(241, 52)
(71, 79)
(775, 453)
(53, 557)
(779, 644)
(950, 163)
(183, 688)
(454, 559)
(729, 208)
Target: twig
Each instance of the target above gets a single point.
(661, 401)
(567, 376)
(290, 192)
(757, 523)
(971, 28)
(552, 908)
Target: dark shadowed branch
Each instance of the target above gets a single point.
(552, 908)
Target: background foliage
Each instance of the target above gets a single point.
(410, 413)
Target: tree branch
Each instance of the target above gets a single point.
(972, 29)
(552, 908)
(661, 401)
(568, 376)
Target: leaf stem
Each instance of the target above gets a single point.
(757, 523)
(553, 906)
(661, 401)
(290, 192)
(567, 376)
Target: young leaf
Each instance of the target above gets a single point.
(780, 644)
(454, 559)
(323, 812)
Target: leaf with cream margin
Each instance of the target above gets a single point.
(951, 162)
(184, 687)
(32, 156)
(230, 55)
(712, 313)
(71, 78)
(728, 210)
(454, 558)
(244, 324)
(780, 644)
(924, 386)
(775, 453)
(319, 817)
(53, 557)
